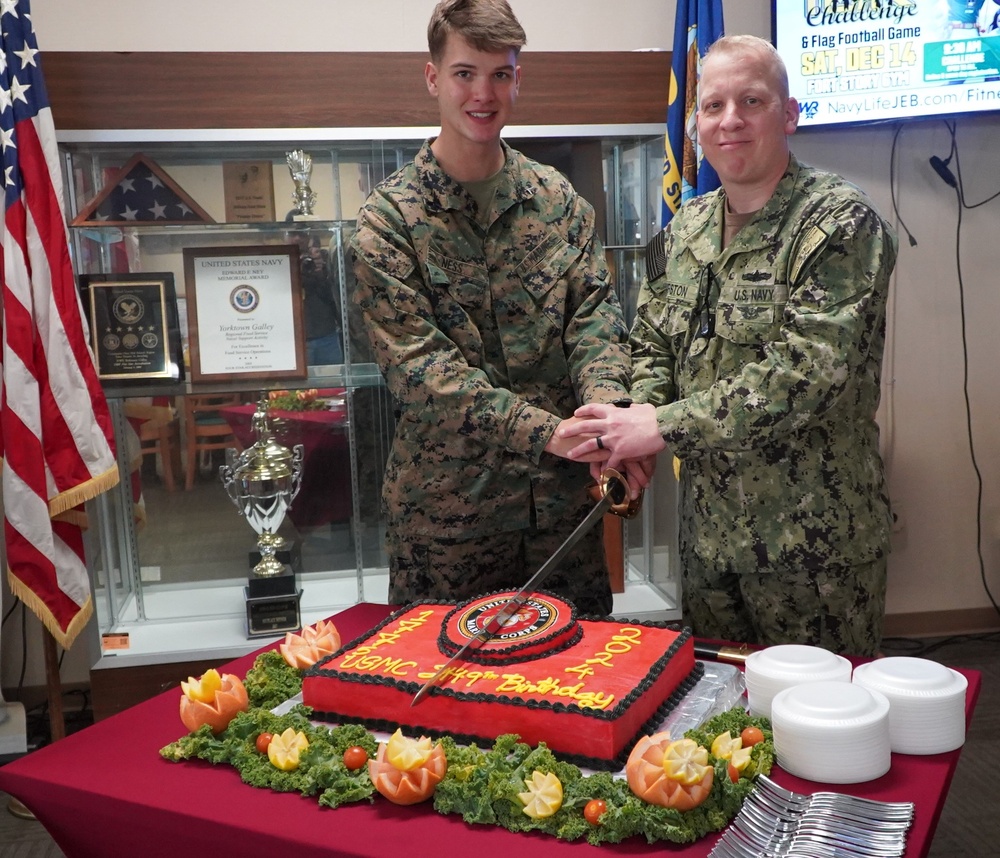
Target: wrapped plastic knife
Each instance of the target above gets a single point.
(614, 499)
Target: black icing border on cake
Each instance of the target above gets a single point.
(597, 763)
(652, 675)
(501, 657)
(395, 615)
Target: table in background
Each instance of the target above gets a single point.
(325, 491)
(106, 791)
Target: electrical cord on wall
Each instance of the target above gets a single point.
(954, 180)
(892, 185)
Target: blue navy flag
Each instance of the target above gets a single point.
(685, 174)
(56, 436)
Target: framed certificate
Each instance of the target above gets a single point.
(244, 308)
(134, 326)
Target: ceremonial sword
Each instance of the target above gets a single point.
(614, 499)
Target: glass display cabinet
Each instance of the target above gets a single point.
(169, 551)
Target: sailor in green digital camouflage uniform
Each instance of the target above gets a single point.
(490, 313)
(757, 356)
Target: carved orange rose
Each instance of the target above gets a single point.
(423, 769)
(315, 642)
(213, 699)
(669, 773)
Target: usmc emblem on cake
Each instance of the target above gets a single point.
(532, 618)
(542, 625)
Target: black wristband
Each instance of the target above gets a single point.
(624, 402)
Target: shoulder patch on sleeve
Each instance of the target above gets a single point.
(813, 239)
(656, 256)
(382, 255)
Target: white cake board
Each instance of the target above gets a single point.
(13, 729)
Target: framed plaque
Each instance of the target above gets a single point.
(244, 308)
(249, 189)
(134, 326)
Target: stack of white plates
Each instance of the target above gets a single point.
(926, 702)
(771, 670)
(834, 732)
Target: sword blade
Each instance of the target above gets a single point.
(615, 494)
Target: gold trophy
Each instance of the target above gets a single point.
(262, 481)
(300, 166)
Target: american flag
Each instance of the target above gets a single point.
(56, 438)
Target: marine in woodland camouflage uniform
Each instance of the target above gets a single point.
(489, 327)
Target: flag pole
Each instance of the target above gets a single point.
(53, 684)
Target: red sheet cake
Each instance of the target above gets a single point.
(588, 688)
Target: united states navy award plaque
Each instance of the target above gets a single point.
(244, 312)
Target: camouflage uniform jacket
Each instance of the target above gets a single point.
(489, 328)
(773, 415)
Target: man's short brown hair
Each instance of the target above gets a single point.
(742, 45)
(487, 25)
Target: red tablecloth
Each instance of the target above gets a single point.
(106, 791)
(325, 491)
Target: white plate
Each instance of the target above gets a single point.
(926, 704)
(793, 661)
(911, 676)
(832, 732)
(829, 704)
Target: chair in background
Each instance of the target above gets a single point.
(157, 426)
(205, 429)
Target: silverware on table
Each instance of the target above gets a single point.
(777, 823)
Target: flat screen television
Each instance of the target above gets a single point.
(854, 61)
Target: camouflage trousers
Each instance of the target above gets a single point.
(840, 609)
(423, 567)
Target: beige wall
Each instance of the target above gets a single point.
(330, 25)
(934, 566)
(353, 25)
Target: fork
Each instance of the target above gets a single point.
(737, 844)
(734, 844)
(761, 834)
(865, 807)
(846, 816)
(874, 831)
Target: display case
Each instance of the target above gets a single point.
(168, 549)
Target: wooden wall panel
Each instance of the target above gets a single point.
(106, 90)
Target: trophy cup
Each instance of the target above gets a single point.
(262, 481)
(300, 166)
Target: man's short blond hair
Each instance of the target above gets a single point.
(744, 44)
(487, 25)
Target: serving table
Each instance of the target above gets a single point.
(106, 791)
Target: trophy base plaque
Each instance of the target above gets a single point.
(272, 605)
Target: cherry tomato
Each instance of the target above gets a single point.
(355, 757)
(734, 774)
(592, 812)
(263, 740)
(751, 736)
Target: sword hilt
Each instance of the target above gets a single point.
(614, 484)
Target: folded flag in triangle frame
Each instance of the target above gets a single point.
(142, 192)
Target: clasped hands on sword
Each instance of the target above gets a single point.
(605, 436)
